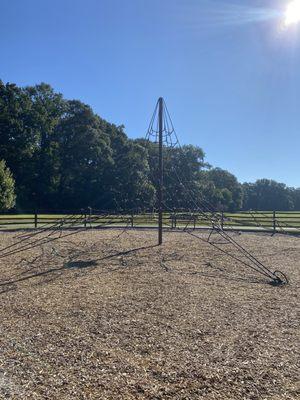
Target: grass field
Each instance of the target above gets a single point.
(109, 315)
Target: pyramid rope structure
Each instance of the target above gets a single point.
(61, 228)
(203, 208)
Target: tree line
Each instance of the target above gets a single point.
(57, 154)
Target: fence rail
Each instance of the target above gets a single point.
(271, 221)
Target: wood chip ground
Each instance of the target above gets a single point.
(109, 315)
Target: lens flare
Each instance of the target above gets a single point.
(292, 14)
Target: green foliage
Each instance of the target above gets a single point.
(47, 110)
(83, 156)
(266, 194)
(295, 195)
(222, 190)
(64, 156)
(7, 188)
(182, 168)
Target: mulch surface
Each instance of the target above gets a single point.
(109, 315)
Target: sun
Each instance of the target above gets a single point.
(292, 14)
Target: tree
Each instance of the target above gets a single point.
(222, 189)
(18, 137)
(85, 157)
(7, 187)
(130, 184)
(47, 110)
(267, 194)
(63, 155)
(182, 168)
(295, 195)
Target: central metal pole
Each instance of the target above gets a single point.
(160, 170)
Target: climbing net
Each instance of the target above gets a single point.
(198, 205)
(62, 229)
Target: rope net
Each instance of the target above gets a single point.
(196, 205)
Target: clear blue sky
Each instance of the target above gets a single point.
(228, 71)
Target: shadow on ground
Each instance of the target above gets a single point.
(11, 284)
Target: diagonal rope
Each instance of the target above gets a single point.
(207, 212)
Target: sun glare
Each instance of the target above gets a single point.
(292, 14)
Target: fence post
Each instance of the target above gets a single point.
(222, 220)
(194, 222)
(90, 216)
(274, 222)
(132, 221)
(35, 218)
(85, 217)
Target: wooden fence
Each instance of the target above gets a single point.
(270, 221)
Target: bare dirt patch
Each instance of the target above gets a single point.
(109, 316)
